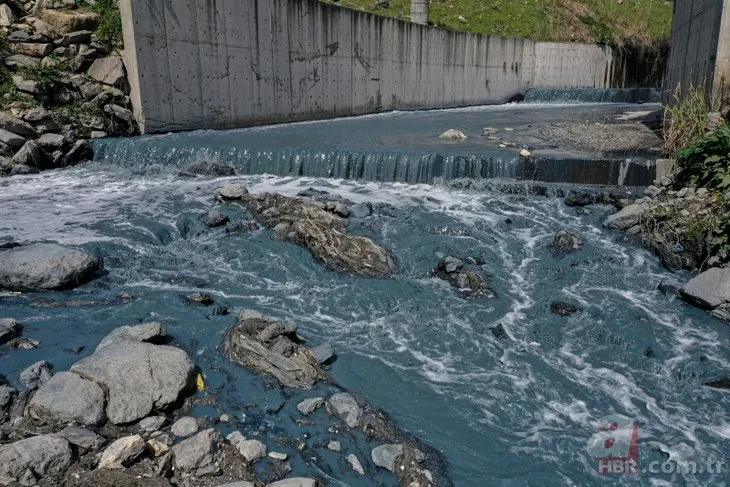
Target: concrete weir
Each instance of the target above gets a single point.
(237, 63)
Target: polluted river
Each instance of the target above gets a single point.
(507, 390)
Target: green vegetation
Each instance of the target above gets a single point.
(593, 21)
(48, 77)
(706, 162)
(686, 119)
(110, 28)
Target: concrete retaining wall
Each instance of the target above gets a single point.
(231, 63)
(693, 59)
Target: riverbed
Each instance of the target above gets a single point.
(510, 412)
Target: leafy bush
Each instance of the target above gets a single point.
(706, 162)
(47, 77)
(110, 27)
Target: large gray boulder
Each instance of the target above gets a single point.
(45, 266)
(66, 398)
(138, 333)
(710, 290)
(108, 70)
(198, 451)
(42, 455)
(154, 376)
(626, 218)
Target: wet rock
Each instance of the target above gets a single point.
(294, 482)
(9, 329)
(16, 125)
(626, 218)
(155, 376)
(241, 483)
(282, 457)
(23, 343)
(719, 383)
(344, 407)
(33, 155)
(324, 353)
(668, 289)
(308, 406)
(563, 309)
(452, 134)
(322, 232)
(587, 198)
(80, 152)
(152, 423)
(108, 70)
(386, 456)
(41, 267)
(184, 426)
(121, 119)
(499, 332)
(232, 192)
(212, 169)
(649, 352)
(213, 219)
(342, 210)
(251, 450)
(67, 398)
(36, 375)
(198, 451)
(469, 283)
(709, 290)
(362, 210)
(565, 242)
(268, 347)
(122, 452)
(354, 462)
(199, 299)
(114, 478)
(42, 455)
(334, 446)
(146, 332)
(81, 438)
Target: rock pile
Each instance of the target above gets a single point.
(65, 85)
(318, 226)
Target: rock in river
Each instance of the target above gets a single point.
(469, 283)
(42, 267)
(564, 242)
(268, 347)
(710, 290)
(563, 309)
(309, 224)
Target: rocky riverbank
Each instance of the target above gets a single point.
(61, 85)
(95, 425)
(677, 223)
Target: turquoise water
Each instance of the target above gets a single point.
(513, 412)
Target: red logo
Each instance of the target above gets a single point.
(615, 446)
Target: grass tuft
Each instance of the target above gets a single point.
(685, 121)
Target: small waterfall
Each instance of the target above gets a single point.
(387, 166)
(594, 95)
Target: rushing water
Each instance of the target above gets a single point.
(511, 412)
